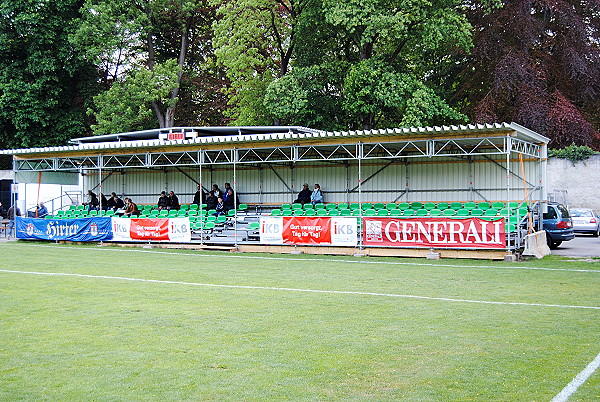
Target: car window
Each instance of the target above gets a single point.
(551, 214)
(575, 212)
(563, 211)
(585, 213)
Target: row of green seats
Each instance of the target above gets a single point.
(398, 212)
(405, 206)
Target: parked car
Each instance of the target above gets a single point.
(585, 220)
(558, 225)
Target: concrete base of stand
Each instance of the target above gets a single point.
(433, 256)
(297, 252)
(510, 258)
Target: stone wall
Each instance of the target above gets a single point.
(581, 181)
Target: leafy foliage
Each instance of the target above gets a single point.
(536, 63)
(45, 84)
(573, 152)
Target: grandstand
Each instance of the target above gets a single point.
(486, 171)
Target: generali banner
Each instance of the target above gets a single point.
(435, 232)
(163, 229)
(299, 230)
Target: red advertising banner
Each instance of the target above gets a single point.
(149, 229)
(435, 232)
(306, 230)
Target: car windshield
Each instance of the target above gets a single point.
(578, 212)
(563, 211)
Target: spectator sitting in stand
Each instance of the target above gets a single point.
(304, 195)
(2, 211)
(317, 196)
(173, 201)
(220, 207)
(118, 203)
(103, 202)
(163, 201)
(41, 210)
(12, 212)
(131, 208)
(200, 196)
(110, 203)
(228, 202)
(213, 196)
(92, 202)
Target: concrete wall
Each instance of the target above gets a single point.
(581, 181)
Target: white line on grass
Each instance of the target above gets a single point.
(337, 292)
(420, 264)
(577, 381)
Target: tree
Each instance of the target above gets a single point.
(254, 42)
(536, 63)
(369, 62)
(147, 51)
(45, 83)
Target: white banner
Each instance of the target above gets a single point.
(160, 229)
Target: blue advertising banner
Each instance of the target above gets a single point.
(85, 229)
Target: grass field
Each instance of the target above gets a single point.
(133, 324)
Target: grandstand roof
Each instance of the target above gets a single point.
(208, 136)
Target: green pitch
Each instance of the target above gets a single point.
(132, 324)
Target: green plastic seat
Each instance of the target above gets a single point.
(320, 205)
(354, 206)
(498, 205)
(209, 226)
(435, 212)
(289, 212)
(477, 212)
(296, 206)
(336, 212)
(211, 218)
(185, 207)
(254, 226)
(462, 212)
(345, 212)
(449, 212)
(193, 207)
(422, 212)
(383, 212)
(504, 212)
(484, 205)
(192, 213)
(173, 213)
(60, 213)
(429, 206)
(470, 205)
(221, 219)
(321, 212)
(231, 212)
(491, 212)
(72, 207)
(286, 206)
(310, 212)
(456, 205)
(343, 206)
(182, 213)
(242, 207)
(308, 206)
(408, 212)
(416, 205)
(330, 206)
(366, 205)
(379, 205)
(110, 212)
(403, 206)
(395, 212)
(356, 212)
(513, 205)
(442, 205)
(390, 205)
(369, 212)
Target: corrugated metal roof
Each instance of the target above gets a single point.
(235, 135)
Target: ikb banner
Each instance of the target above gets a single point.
(299, 230)
(163, 229)
(86, 229)
(435, 232)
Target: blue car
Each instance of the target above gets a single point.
(558, 225)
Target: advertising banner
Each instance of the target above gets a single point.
(85, 229)
(160, 229)
(435, 232)
(304, 230)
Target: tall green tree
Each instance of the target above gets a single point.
(147, 51)
(254, 42)
(45, 83)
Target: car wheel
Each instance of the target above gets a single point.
(555, 245)
(596, 233)
(548, 240)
